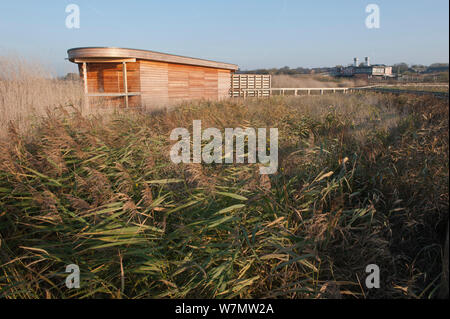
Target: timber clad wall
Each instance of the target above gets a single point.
(108, 78)
(224, 85)
(163, 83)
(153, 79)
(154, 82)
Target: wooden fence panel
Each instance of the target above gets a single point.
(260, 83)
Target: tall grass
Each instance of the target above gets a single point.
(362, 179)
(430, 88)
(28, 91)
(314, 81)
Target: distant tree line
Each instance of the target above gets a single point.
(288, 71)
(70, 77)
(403, 68)
(398, 68)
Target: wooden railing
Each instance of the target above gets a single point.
(114, 94)
(245, 93)
(282, 91)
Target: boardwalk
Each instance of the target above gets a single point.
(244, 93)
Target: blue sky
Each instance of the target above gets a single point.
(250, 33)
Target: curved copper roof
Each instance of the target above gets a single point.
(105, 52)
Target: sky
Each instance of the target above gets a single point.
(250, 33)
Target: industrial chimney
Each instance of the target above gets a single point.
(367, 61)
(355, 62)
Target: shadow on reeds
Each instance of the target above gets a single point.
(362, 179)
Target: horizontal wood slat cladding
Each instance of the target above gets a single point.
(224, 84)
(108, 78)
(154, 79)
(154, 83)
(159, 83)
(163, 83)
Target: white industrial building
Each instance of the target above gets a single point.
(366, 69)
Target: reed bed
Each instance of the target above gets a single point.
(28, 91)
(430, 88)
(362, 179)
(314, 81)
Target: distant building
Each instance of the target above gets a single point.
(365, 69)
(138, 78)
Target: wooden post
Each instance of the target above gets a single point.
(125, 83)
(231, 86)
(270, 85)
(85, 82)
